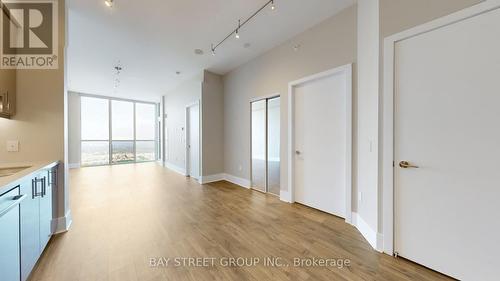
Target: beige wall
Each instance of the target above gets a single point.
(212, 124)
(399, 15)
(39, 121)
(330, 44)
(176, 101)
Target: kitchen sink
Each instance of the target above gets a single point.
(9, 171)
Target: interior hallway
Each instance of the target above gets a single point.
(124, 215)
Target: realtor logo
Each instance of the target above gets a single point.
(29, 34)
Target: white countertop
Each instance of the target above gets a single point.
(9, 182)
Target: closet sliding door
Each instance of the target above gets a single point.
(259, 137)
(265, 139)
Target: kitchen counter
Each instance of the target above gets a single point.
(8, 182)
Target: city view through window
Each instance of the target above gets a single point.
(117, 131)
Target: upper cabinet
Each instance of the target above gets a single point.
(7, 92)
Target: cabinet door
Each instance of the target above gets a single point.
(30, 227)
(45, 210)
(9, 239)
(8, 87)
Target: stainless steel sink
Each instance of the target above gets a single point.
(9, 171)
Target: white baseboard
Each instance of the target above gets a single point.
(238, 181)
(375, 239)
(62, 224)
(212, 178)
(74, 165)
(175, 168)
(285, 196)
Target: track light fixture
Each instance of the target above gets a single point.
(236, 32)
(237, 35)
(109, 3)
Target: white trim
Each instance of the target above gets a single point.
(211, 178)
(175, 168)
(388, 107)
(74, 165)
(187, 137)
(62, 224)
(374, 239)
(347, 69)
(238, 181)
(285, 196)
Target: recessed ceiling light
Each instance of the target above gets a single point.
(198, 51)
(109, 3)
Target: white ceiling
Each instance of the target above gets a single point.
(155, 38)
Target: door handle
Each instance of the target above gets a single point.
(16, 200)
(406, 165)
(297, 152)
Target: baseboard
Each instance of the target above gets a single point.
(375, 239)
(175, 168)
(212, 178)
(74, 165)
(238, 181)
(285, 196)
(62, 224)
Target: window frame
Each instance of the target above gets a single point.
(110, 125)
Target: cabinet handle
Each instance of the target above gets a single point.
(34, 188)
(44, 187)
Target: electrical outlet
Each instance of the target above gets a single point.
(12, 146)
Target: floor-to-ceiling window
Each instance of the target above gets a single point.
(117, 131)
(94, 131)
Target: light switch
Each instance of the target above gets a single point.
(12, 146)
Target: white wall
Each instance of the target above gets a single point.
(368, 99)
(330, 44)
(74, 130)
(175, 103)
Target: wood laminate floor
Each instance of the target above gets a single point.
(125, 215)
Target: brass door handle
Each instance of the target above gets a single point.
(406, 165)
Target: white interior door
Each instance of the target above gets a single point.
(447, 102)
(321, 144)
(194, 141)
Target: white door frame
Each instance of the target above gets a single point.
(347, 69)
(187, 137)
(388, 107)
